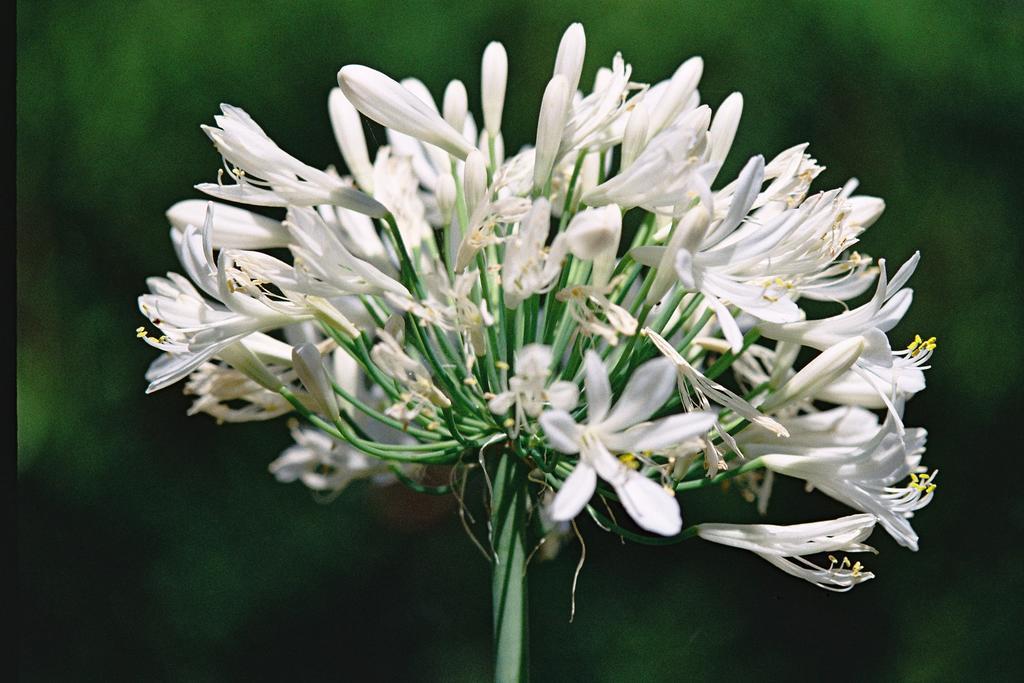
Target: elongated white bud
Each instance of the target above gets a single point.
(245, 361)
(569, 61)
(445, 192)
(823, 370)
(474, 180)
(327, 313)
(388, 103)
(724, 125)
(309, 366)
(232, 227)
(493, 79)
(348, 131)
(550, 125)
(456, 104)
(635, 137)
(684, 82)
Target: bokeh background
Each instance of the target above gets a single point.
(155, 546)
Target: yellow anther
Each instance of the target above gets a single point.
(470, 381)
(857, 568)
(509, 422)
(501, 365)
(918, 345)
(920, 482)
(140, 332)
(433, 426)
(630, 461)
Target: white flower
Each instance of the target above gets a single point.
(704, 391)
(309, 367)
(665, 171)
(420, 392)
(220, 388)
(586, 301)
(233, 227)
(265, 175)
(847, 455)
(785, 546)
(621, 429)
(670, 98)
(871, 320)
(323, 463)
(528, 390)
(325, 266)
(528, 267)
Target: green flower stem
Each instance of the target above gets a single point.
(623, 289)
(508, 584)
(442, 452)
(411, 483)
(382, 418)
(567, 207)
(684, 315)
(704, 482)
(548, 316)
(603, 521)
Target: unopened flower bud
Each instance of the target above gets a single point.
(474, 180)
(455, 105)
(677, 93)
(635, 137)
(824, 369)
(245, 361)
(348, 131)
(493, 79)
(390, 104)
(550, 125)
(309, 366)
(569, 61)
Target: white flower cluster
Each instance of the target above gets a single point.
(446, 296)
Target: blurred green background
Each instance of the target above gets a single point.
(155, 546)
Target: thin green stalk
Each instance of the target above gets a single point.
(508, 584)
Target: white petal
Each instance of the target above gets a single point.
(673, 430)
(561, 431)
(651, 506)
(574, 494)
(728, 324)
(563, 395)
(647, 390)
(597, 387)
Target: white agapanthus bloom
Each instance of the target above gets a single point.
(846, 454)
(441, 310)
(323, 463)
(786, 546)
(621, 429)
(528, 389)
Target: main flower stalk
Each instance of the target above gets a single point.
(509, 509)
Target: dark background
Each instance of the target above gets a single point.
(156, 546)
